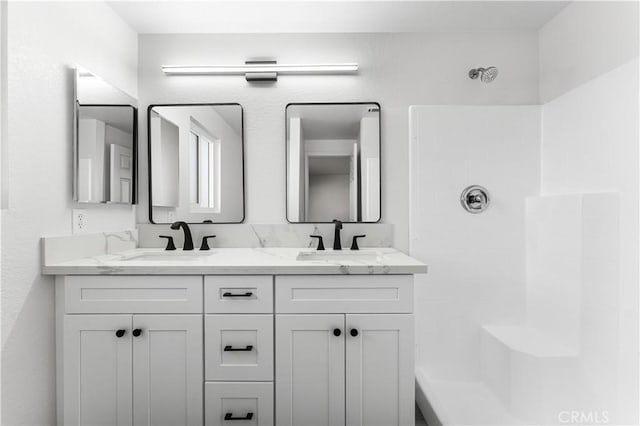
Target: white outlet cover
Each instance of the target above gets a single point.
(80, 221)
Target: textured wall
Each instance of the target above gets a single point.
(586, 39)
(44, 40)
(476, 261)
(590, 144)
(397, 70)
(589, 76)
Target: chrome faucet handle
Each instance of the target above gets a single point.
(475, 199)
(320, 242)
(354, 242)
(205, 244)
(170, 244)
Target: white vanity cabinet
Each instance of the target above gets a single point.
(129, 350)
(344, 350)
(214, 350)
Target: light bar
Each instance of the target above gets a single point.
(259, 68)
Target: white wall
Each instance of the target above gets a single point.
(92, 133)
(113, 135)
(590, 140)
(590, 144)
(397, 70)
(586, 39)
(296, 179)
(44, 40)
(3, 142)
(370, 168)
(573, 269)
(476, 261)
(3, 105)
(328, 197)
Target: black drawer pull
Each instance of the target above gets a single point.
(229, 416)
(120, 333)
(247, 294)
(232, 349)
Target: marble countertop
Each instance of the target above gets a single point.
(239, 261)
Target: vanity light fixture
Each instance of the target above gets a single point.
(265, 71)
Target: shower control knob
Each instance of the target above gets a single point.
(354, 332)
(475, 199)
(337, 332)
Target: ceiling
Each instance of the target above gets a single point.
(120, 117)
(330, 16)
(329, 165)
(232, 115)
(331, 121)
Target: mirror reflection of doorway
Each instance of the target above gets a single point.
(333, 162)
(329, 192)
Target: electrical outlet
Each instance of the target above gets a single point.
(80, 221)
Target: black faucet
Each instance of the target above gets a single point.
(337, 245)
(188, 240)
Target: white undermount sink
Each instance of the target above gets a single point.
(170, 256)
(340, 256)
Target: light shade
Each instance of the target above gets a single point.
(260, 68)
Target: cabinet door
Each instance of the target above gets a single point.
(380, 371)
(309, 370)
(167, 373)
(97, 370)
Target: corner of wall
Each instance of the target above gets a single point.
(580, 43)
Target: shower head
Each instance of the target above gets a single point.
(487, 75)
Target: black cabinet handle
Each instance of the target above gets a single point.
(337, 332)
(137, 332)
(247, 294)
(229, 348)
(229, 416)
(120, 333)
(354, 332)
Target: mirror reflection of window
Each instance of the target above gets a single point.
(333, 162)
(205, 168)
(196, 163)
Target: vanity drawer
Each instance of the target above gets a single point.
(238, 347)
(240, 294)
(133, 294)
(235, 401)
(300, 294)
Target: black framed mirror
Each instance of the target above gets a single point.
(105, 142)
(333, 161)
(196, 163)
